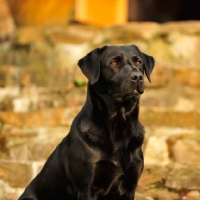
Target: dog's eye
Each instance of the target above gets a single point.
(138, 63)
(114, 63)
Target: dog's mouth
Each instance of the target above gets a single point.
(134, 95)
(138, 92)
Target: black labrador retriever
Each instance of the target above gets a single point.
(101, 157)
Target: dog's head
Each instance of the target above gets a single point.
(117, 70)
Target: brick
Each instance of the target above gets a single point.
(15, 174)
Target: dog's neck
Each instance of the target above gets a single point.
(119, 119)
(107, 103)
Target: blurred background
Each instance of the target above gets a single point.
(42, 88)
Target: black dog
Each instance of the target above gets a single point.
(101, 157)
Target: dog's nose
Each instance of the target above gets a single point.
(136, 76)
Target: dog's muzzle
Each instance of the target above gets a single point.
(138, 80)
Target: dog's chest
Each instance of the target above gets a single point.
(119, 156)
(114, 175)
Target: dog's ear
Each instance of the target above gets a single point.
(90, 65)
(149, 63)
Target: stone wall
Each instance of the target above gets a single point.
(42, 89)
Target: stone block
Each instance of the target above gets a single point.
(41, 75)
(34, 150)
(11, 193)
(46, 117)
(126, 34)
(185, 27)
(160, 76)
(27, 35)
(184, 49)
(153, 175)
(169, 118)
(30, 143)
(38, 167)
(161, 194)
(185, 148)
(161, 57)
(155, 153)
(16, 174)
(68, 34)
(185, 104)
(140, 196)
(193, 195)
(181, 177)
(188, 76)
(76, 97)
(179, 43)
(38, 118)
